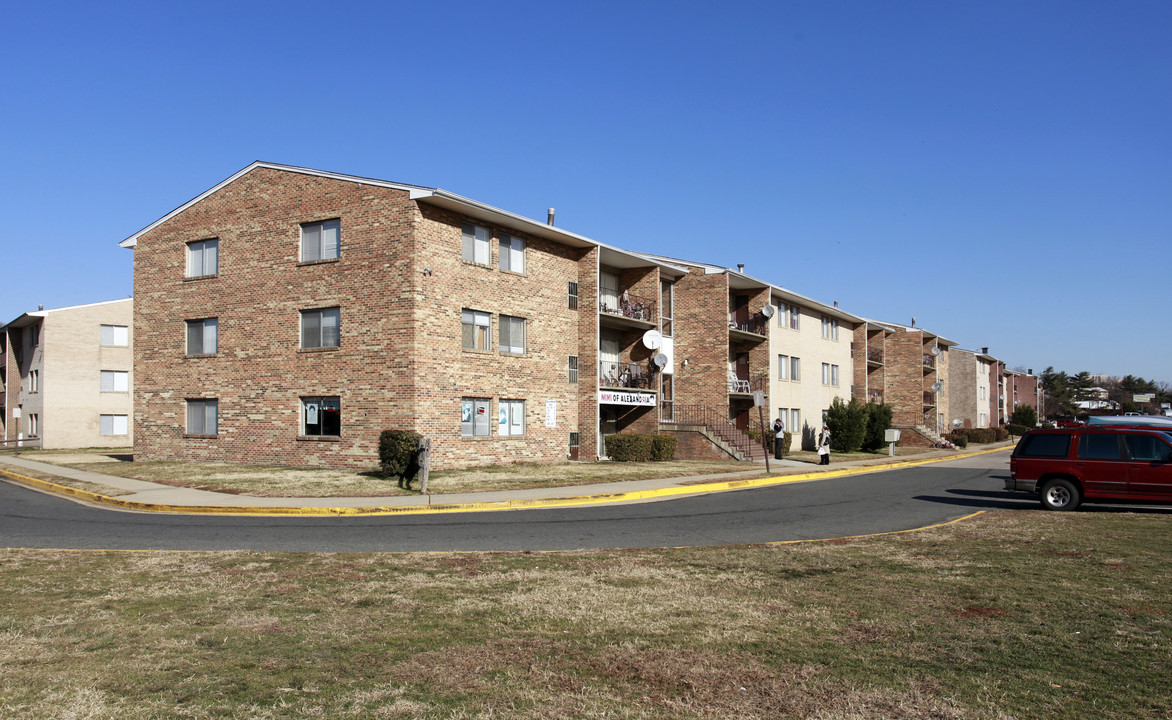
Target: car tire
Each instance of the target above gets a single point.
(1060, 494)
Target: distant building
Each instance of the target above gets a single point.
(66, 377)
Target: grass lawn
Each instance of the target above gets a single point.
(1012, 614)
(279, 481)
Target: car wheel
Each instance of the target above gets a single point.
(1060, 495)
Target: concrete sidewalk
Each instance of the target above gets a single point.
(155, 497)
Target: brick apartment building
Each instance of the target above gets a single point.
(973, 388)
(289, 315)
(908, 369)
(66, 376)
(1023, 389)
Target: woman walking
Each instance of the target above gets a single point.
(824, 446)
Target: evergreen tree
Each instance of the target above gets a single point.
(847, 423)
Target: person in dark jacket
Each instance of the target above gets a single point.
(824, 446)
(778, 437)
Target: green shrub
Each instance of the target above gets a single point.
(958, 438)
(629, 448)
(663, 447)
(879, 418)
(398, 454)
(847, 423)
(1018, 430)
(1024, 415)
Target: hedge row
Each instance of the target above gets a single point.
(640, 448)
(979, 435)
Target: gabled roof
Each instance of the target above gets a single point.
(432, 196)
(907, 328)
(33, 316)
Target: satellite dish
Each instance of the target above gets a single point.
(652, 340)
(660, 360)
(937, 386)
(957, 422)
(768, 311)
(935, 350)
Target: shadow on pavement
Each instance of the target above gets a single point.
(1005, 500)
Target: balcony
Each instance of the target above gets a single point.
(755, 326)
(624, 375)
(929, 399)
(874, 356)
(628, 307)
(929, 361)
(876, 396)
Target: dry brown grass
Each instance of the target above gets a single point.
(1010, 615)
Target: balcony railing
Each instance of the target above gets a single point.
(875, 355)
(624, 374)
(629, 305)
(756, 324)
(929, 360)
(876, 396)
(929, 399)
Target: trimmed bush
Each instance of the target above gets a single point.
(879, 418)
(398, 454)
(629, 448)
(1017, 430)
(957, 438)
(847, 423)
(663, 447)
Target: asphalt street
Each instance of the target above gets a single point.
(835, 507)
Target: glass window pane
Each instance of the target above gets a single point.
(310, 329)
(330, 332)
(210, 336)
(330, 234)
(483, 245)
(311, 242)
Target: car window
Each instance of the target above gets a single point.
(1045, 446)
(1098, 446)
(1148, 448)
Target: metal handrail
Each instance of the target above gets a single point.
(631, 306)
(624, 374)
(718, 423)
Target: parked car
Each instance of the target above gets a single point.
(1066, 466)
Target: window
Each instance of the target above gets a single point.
(320, 240)
(203, 336)
(34, 381)
(834, 375)
(573, 369)
(203, 258)
(476, 328)
(783, 367)
(573, 293)
(201, 417)
(982, 393)
(477, 244)
(795, 369)
(115, 335)
(115, 381)
(1148, 448)
(34, 335)
(787, 316)
(666, 398)
(511, 418)
(1093, 446)
(795, 420)
(829, 328)
(512, 335)
(34, 424)
(321, 416)
(1044, 446)
(474, 417)
(666, 307)
(320, 328)
(113, 425)
(825, 373)
(608, 291)
(512, 253)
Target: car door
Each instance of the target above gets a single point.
(1149, 466)
(1100, 464)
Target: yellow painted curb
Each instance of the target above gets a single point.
(567, 501)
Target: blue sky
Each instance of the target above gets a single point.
(1002, 171)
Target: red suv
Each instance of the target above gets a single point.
(1068, 465)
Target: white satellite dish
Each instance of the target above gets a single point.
(768, 311)
(660, 360)
(652, 340)
(937, 386)
(935, 350)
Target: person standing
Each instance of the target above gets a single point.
(778, 437)
(824, 446)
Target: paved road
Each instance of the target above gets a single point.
(853, 505)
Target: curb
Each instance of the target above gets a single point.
(487, 506)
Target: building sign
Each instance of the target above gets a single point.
(1145, 398)
(616, 397)
(551, 413)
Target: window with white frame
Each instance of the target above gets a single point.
(203, 336)
(666, 307)
(795, 420)
(477, 244)
(113, 425)
(203, 258)
(115, 381)
(321, 416)
(834, 375)
(321, 328)
(512, 335)
(608, 291)
(321, 240)
(115, 335)
(825, 373)
(34, 424)
(795, 369)
(511, 418)
(474, 417)
(201, 416)
(34, 381)
(783, 367)
(787, 315)
(666, 397)
(476, 327)
(512, 253)
(829, 328)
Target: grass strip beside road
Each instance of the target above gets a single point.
(1018, 614)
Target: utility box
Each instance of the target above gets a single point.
(891, 435)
